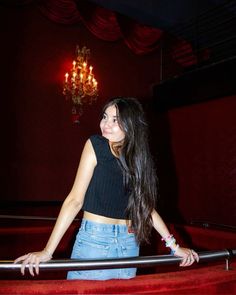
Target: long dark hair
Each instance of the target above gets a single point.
(136, 160)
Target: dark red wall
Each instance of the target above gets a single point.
(199, 172)
(41, 146)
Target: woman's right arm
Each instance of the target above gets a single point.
(70, 208)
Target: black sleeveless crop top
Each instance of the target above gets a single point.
(106, 194)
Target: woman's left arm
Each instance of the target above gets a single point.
(188, 255)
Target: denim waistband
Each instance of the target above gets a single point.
(104, 227)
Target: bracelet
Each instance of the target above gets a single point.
(167, 238)
(169, 241)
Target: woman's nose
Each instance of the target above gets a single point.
(108, 123)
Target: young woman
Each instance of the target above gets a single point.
(116, 187)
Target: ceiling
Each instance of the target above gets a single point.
(204, 23)
(167, 15)
(208, 25)
(163, 14)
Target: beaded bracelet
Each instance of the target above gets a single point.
(169, 240)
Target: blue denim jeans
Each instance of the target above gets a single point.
(100, 241)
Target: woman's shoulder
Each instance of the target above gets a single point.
(97, 137)
(98, 140)
(101, 146)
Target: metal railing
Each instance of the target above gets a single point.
(142, 261)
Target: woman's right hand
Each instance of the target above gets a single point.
(32, 260)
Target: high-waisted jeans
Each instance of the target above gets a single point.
(100, 241)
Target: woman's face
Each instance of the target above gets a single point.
(109, 125)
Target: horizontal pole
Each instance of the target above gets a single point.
(28, 217)
(141, 261)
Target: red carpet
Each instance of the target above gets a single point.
(203, 279)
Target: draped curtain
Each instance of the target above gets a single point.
(111, 26)
(103, 23)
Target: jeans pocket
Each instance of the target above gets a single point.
(90, 247)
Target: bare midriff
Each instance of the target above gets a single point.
(102, 219)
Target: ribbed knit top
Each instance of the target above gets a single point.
(106, 194)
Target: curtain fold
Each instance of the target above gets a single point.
(60, 11)
(141, 39)
(103, 23)
(108, 25)
(99, 21)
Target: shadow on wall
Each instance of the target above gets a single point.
(160, 143)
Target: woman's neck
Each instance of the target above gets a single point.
(116, 148)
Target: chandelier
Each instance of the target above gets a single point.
(80, 84)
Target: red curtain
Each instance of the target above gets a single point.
(103, 23)
(61, 11)
(111, 26)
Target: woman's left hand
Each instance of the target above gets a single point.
(188, 255)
